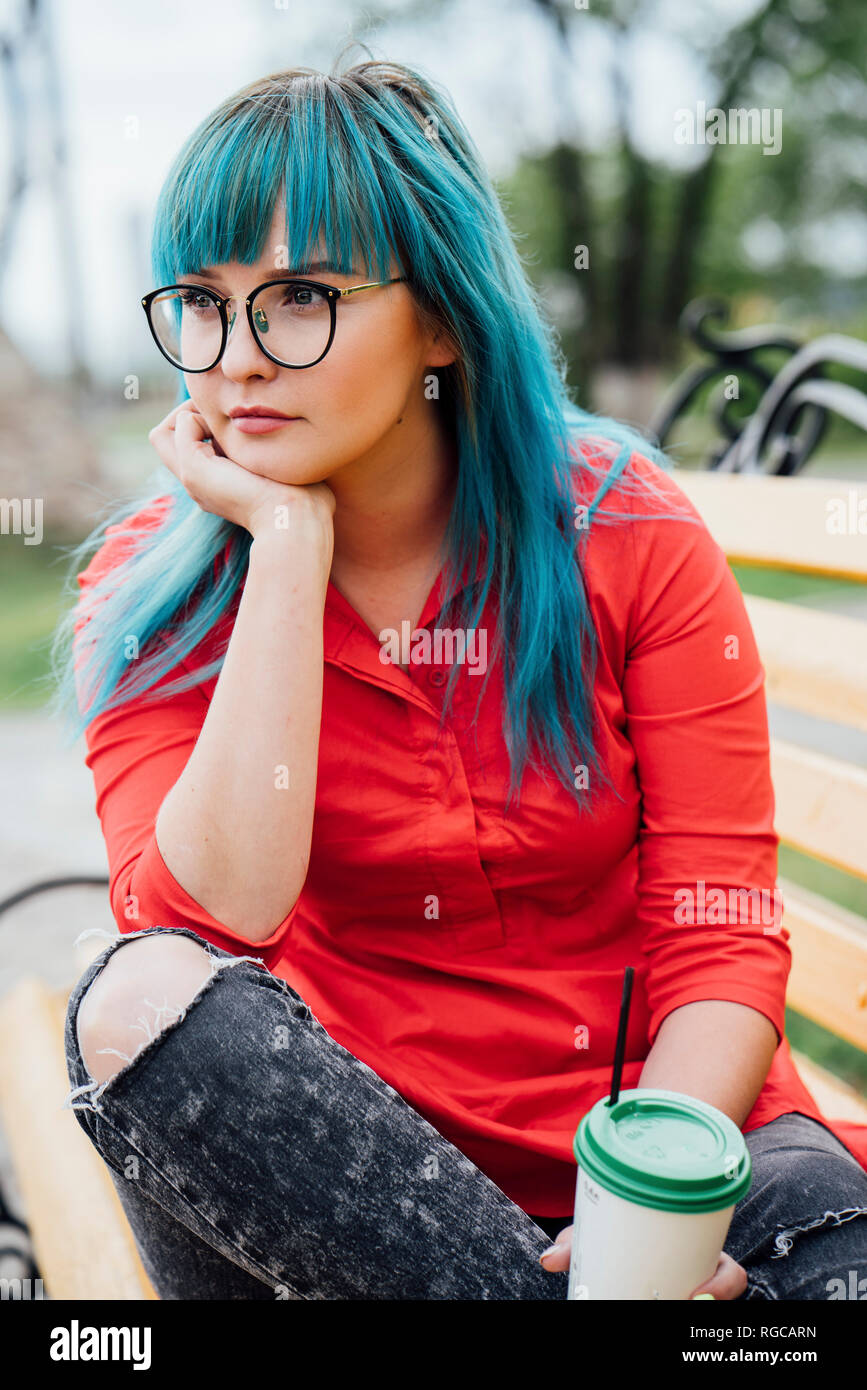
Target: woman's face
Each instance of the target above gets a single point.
(365, 400)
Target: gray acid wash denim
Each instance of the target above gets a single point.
(256, 1158)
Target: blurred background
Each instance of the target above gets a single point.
(620, 222)
(573, 109)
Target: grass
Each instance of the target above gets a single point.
(847, 1063)
(31, 580)
(789, 586)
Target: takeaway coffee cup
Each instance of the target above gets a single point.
(659, 1174)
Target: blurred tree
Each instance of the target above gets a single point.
(733, 222)
(32, 97)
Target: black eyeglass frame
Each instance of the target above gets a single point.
(332, 292)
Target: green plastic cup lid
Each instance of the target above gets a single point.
(666, 1150)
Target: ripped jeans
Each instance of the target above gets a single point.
(256, 1158)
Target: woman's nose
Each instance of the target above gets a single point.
(243, 352)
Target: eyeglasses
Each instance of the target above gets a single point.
(191, 325)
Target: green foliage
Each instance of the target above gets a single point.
(31, 580)
(755, 229)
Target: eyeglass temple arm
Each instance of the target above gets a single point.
(374, 284)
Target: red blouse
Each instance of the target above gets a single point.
(475, 959)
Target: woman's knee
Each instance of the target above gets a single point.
(145, 985)
(806, 1195)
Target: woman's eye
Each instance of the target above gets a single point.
(302, 297)
(197, 301)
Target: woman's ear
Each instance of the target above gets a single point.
(443, 349)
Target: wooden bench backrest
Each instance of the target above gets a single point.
(815, 663)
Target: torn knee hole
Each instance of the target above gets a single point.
(785, 1239)
(138, 995)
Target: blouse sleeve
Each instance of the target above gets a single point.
(136, 753)
(695, 703)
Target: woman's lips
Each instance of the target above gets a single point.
(261, 424)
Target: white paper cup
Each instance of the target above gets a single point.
(659, 1175)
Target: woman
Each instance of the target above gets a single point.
(381, 697)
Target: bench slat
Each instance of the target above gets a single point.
(821, 805)
(814, 662)
(835, 1099)
(81, 1237)
(806, 524)
(828, 980)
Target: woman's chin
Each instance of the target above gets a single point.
(279, 470)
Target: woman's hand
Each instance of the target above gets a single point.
(218, 484)
(728, 1280)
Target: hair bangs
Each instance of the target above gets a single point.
(303, 146)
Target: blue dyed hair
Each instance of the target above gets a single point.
(375, 161)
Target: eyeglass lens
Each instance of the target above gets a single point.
(292, 321)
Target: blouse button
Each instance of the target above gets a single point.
(437, 677)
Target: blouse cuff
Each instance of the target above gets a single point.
(733, 992)
(155, 898)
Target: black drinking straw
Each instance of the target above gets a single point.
(620, 1046)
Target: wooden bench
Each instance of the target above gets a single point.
(815, 663)
(81, 1238)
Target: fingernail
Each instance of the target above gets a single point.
(697, 1296)
(552, 1250)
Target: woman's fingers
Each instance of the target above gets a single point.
(182, 441)
(215, 482)
(168, 422)
(728, 1280)
(556, 1258)
(163, 436)
(191, 432)
(235, 491)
